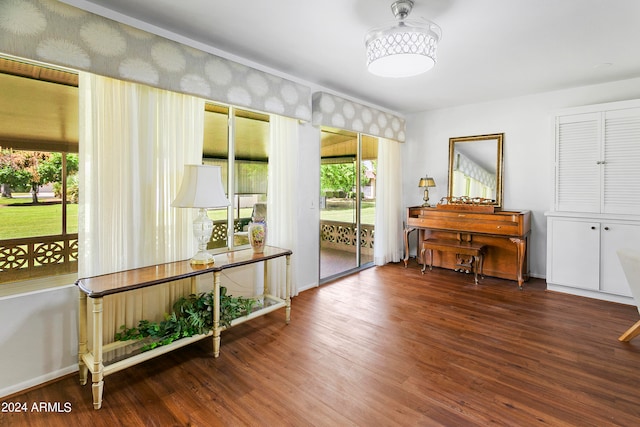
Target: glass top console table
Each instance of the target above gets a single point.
(97, 287)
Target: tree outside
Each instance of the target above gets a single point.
(23, 171)
(339, 179)
(337, 182)
(23, 211)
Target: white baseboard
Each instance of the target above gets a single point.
(15, 388)
(591, 294)
(307, 287)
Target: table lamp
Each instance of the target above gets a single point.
(426, 182)
(201, 189)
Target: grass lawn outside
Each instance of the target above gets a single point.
(343, 210)
(18, 219)
(367, 215)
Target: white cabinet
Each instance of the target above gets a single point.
(596, 205)
(582, 255)
(615, 235)
(574, 253)
(598, 161)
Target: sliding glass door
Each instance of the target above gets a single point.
(347, 194)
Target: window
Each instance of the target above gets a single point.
(244, 134)
(38, 171)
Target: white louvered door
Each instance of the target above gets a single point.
(578, 154)
(621, 168)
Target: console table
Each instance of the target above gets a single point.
(97, 287)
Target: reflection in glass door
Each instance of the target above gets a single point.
(347, 194)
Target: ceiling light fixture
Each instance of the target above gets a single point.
(404, 48)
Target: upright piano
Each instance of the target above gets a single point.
(505, 235)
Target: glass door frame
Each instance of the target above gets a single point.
(359, 265)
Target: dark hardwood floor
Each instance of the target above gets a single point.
(384, 347)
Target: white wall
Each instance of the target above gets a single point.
(39, 339)
(527, 123)
(308, 248)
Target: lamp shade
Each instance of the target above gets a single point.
(403, 48)
(427, 182)
(201, 188)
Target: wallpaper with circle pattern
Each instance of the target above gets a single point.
(333, 111)
(54, 32)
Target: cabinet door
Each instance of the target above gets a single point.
(621, 161)
(574, 256)
(613, 237)
(578, 162)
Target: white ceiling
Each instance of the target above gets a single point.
(490, 49)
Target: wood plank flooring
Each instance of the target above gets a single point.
(385, 347)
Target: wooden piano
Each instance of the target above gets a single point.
(504, 233)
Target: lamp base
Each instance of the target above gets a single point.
(202, 258)
(426, 198)
(202, 229)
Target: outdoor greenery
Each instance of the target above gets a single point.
(19, 218)
(29, 170)
(347, 214)
(337, 177)
(340, 178)
(191, 315)
(337, 185)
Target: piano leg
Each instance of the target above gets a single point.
(407, 231)
(521, 246)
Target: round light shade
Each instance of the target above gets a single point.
(404, 49)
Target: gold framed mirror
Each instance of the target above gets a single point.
(475, 168)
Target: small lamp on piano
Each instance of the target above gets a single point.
(201, 189)
(426, 182)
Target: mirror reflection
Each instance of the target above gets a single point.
(475, 168)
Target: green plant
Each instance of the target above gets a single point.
(233, 307)
(191, 315)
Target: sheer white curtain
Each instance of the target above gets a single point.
(282, 200)
(388, 221)
(134, 142)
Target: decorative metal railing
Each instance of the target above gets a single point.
(219, 235)
(343, 236)
(33, 257)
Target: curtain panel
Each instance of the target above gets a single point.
(282, 200)
(389, 211)
(60, 34)
(334, 111)
(134, 143)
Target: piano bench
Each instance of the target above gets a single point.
(475, 250)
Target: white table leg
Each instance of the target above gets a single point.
(287, 310)
(82, 336)
(216, 313)
(97, 374)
